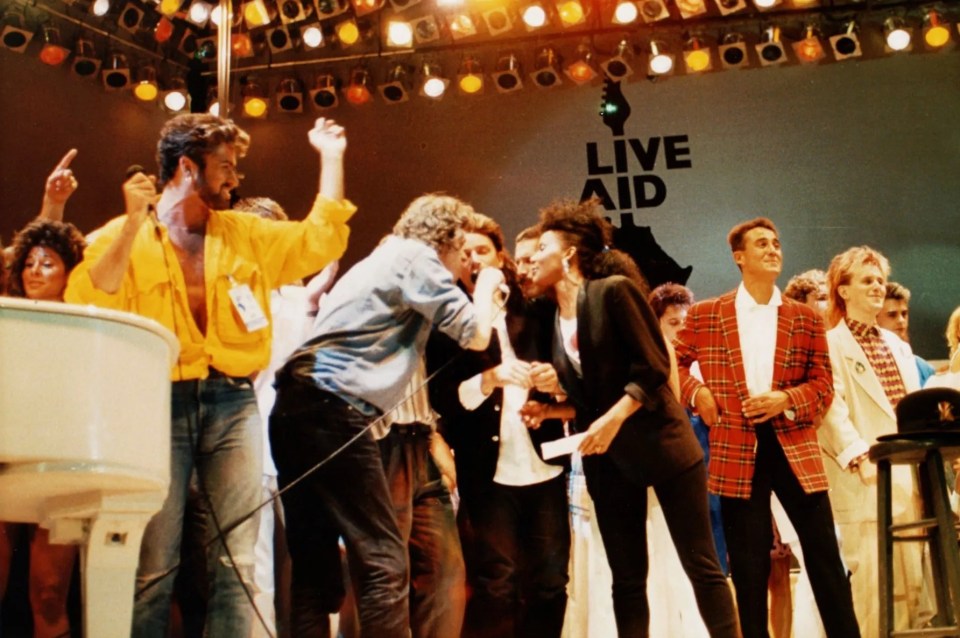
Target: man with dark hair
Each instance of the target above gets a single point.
(516, 502)
(206, 274)
(524, 247)
(766, 383)
(895, 317)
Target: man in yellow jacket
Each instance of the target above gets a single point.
(206, 273)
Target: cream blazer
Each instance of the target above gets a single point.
(861, 412)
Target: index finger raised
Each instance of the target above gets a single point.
(66, 159)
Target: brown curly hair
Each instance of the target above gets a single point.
(805, 283)
(583, 226)
(61, 237)
(669, 294)
(435, 219)
(195, 135)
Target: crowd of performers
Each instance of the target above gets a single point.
(416, 434)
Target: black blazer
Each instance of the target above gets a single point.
(622, 351)
(474, 435)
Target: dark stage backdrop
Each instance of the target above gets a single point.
(860, 152)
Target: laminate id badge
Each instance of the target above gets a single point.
(247, 307)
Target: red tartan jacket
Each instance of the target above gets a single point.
(801, 369)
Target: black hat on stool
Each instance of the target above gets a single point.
(929, 411)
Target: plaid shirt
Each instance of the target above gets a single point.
(801, 368)
(880, 358)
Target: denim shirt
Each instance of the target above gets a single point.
(373, 326)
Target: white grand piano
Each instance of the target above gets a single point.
(85, 438)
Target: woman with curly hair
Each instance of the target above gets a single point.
(44, 253)
(614, 365)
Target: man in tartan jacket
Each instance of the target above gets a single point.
(766, 382)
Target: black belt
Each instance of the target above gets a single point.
(213, 373)
(411, 430)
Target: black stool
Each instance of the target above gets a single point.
(928, 424)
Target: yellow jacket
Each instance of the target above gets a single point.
(239, 248)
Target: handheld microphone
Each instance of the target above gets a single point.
(503, 287)
(132, 170)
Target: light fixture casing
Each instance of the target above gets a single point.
(897, 36)
(809, 48)
(619, 65)
(770, 50)
(293, 11)
(546, 69)
(660, 61)
(53, 52)
(85, 63)
(506, 77)
(175, 98)
(697, 57)
(583, 68)
(846, 44)
(397, 85)
(279, 39)
(115, 72)
(733, 51)
(289, 95)
(498, 21)
(14, 36)
(653, 10)
(726, 7)
(470, 80)
(434, 84)
(323, 94)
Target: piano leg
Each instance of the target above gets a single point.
(110, 528)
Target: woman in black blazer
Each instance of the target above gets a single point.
(614, 367)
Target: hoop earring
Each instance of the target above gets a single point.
(565, 262)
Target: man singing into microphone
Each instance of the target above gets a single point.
(206, 273)
(332, 399)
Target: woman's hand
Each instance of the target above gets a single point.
(61, 183)
(600, 435)
(545, 379)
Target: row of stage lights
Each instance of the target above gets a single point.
(400, 80)
(285, 25)
(427, 80)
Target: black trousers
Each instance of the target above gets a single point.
(749, 531)
(621, 508)
(347, 497)
(521, 552)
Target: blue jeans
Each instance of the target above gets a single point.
(348, 497)
(215, 430)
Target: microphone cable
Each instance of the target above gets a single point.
(221, 535)
(223, 531)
